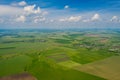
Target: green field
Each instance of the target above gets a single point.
(59, 54)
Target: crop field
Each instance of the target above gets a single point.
(60, 54)
(108, 68)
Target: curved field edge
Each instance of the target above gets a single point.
(44, 69)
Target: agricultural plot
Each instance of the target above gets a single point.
(108, 68)
(59, 57)
(13, 65)
(47, 69)
(69, 64)
(22, 76)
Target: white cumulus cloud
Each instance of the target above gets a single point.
(21, 19)
(71, 19)
(22, 3)
(95, 17)
(38, 19)
(74, 18)
(114, 19)
(86, 20)
(66, 7)
(31, 9)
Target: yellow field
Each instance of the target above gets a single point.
(108, 68)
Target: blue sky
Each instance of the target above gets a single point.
(77, 4)
(59, 13)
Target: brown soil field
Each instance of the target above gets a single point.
(22, 76)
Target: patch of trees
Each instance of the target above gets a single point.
(33, 40)
(7, 47)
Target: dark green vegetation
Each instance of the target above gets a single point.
(54, 54)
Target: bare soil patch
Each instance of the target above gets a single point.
(22, 76)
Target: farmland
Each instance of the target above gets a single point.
(60, 54)
(107, 68)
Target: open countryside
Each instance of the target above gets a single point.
(60, 55)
